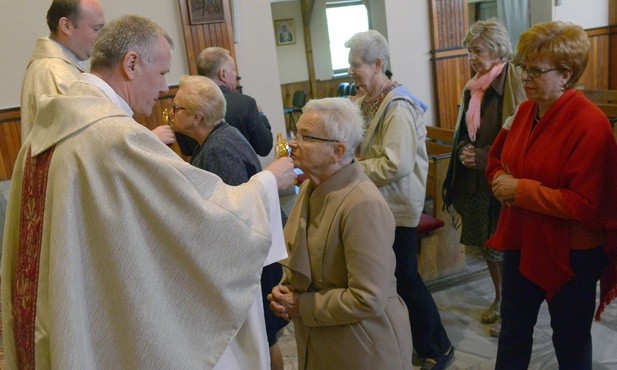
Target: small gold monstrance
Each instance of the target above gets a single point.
(282, 148)
(167, 118)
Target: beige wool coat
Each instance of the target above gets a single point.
(339, 237)
(394, 155)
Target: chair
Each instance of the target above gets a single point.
(353, 89)
(298, 100)
(342, 89)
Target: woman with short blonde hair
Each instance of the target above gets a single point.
(488, 99)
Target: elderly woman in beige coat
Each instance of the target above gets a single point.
(339, 286)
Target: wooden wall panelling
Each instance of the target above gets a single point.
(200, 36)
(10, 141)
(327, 88)
(450, 76)
(287, 91)
(324, 89)
(612, 70)
(612, 21)
(448, 23)
(451, 69)
(596, 75)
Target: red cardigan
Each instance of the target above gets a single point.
(566, 194)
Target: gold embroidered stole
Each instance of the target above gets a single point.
(30, 238)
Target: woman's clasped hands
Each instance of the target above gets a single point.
(504, 188)
(467, 156)
(284, 302)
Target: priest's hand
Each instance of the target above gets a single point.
(283, 170)
(504, 188)
(284, 302)
(165, 134)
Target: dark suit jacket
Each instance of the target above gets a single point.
(242, 113)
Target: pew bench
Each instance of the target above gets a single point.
(441, 254)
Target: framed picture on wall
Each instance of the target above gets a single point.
(206, 11)
(285, 31)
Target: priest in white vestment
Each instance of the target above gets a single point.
(118, 254)
(58, 60)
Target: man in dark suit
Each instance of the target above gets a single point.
(242, 111)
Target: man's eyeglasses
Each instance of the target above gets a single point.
(533, 72)
(301, 138)
(175, 109)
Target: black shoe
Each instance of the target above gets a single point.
(439, 364)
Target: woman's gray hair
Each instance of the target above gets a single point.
(342, 121)
(492, 34)
(125, 34)
(202, 95)
(371, 45)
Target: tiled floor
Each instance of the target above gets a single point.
(462, 304)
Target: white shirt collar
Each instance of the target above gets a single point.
(111, 93)
(81, 64)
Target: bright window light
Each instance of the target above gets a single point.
(345, 18)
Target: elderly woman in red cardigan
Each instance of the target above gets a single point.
(553, 169)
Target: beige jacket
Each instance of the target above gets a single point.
(393, 155)
(339, 236)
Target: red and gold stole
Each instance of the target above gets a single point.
(34, 188)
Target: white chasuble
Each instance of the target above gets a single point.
(144, 261)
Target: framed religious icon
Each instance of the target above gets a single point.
(206, 11)
(285, 31)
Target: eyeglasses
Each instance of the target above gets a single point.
(175, 109)
(301, 138)
(533, 72)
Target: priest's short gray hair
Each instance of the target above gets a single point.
(125, 34)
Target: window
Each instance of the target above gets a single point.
(345, 18)
(481, 10)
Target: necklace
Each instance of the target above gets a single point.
(370, 106)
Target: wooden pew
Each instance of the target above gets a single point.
(438, 146)
(441, 254)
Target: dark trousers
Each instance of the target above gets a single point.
(571, 311)
(429, 337)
